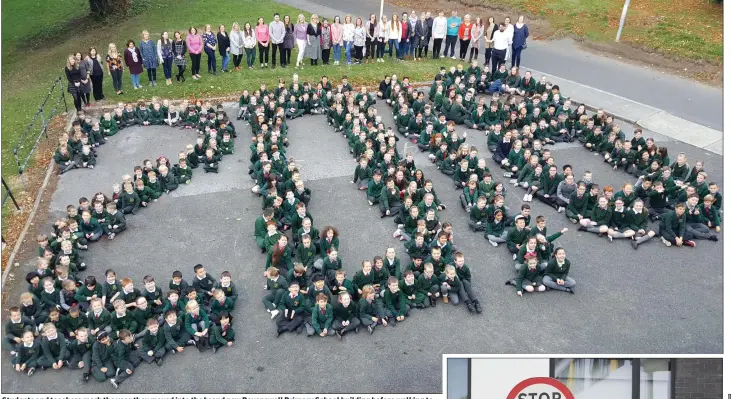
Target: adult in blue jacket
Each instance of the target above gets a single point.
(520, 36)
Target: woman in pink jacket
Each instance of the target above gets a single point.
(262, 37)
(336, 30)
(194, 42)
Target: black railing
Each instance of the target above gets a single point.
(38, 126)
(8, 194)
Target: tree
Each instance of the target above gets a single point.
(103, 9)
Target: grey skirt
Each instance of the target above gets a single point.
(312, 51)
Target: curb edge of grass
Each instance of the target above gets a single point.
(42, 190)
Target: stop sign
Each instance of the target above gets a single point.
(540, 388)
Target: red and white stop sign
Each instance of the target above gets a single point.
(540, 388)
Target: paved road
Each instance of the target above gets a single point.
(655, 300)
(681, 97)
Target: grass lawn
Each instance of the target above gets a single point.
(24, 86)
(691, 29)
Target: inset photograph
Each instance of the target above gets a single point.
(583, 378)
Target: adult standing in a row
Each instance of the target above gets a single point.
(371, 37)
(520, 37)
(509, 30)
(73, 75)
(249, 45)
(465, 36)
(382, 38)
(133, 60)
(180, 47)
(348, 36)
(453, 24)
(210, 42)
(85, 68)
(439, 32)
(194, 43)
(277, 32)
(490, 28)
(115, 66)
(224, 47)
(428, 28)
(262, 38)
(300, 37)
(313, 39)
(148, 50)
(501, 43)
(288, 40)
(359, 40)
(336, 32)
(394, 36)
(477, 39)
(236, 42)
(165, 55)
(326, 41)
(97, 74)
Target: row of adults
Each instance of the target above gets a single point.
(409, 36)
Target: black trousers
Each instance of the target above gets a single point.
(195, 64)
(237, 59)
(437, 48)
(463, 46)
(451, 42)
(263, 54)
(97, 82)
(370, 48)
(287, 56)
(326, 56)
(497, 58)
(488, 54)
(117, 79)
(278, 47)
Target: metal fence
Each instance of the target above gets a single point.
(38, 127)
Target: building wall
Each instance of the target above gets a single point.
(699, 379)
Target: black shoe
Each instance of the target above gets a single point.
(300, 329)
(509, 282)
(470, 307)
(356, 330)
(478, 308)
(433, 302)
(214, 348)
(114, 383)
(200, 345)
(570, 290)
(279, 332)
(159, 362)
(582, 228)
(84, 377)
(339, 333)
(634, 244)
(370, 330)
(713, 237)
(182, 78)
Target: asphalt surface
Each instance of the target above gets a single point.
(684, 98)
(654, 300)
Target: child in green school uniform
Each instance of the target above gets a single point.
(54, 348)
(529, 277)
(152, 344)
(394, 301)
(322, 317)
(197, 324)
(221, 333)
(25, 358)
(292, 307)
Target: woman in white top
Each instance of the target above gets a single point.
(237, 45)
(439, 33)
(382, 37)
(394, 35)
(249, 45)
(348, 36)
(359, 40)
(509, 30)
